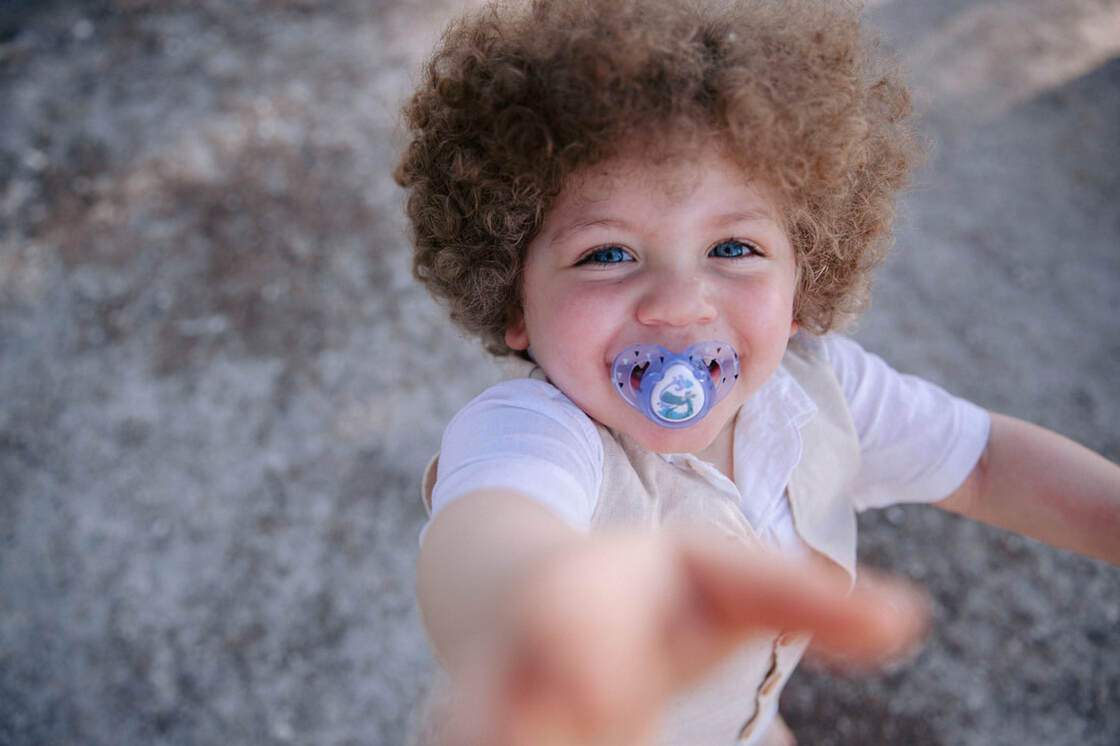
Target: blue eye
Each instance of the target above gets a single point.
(732, 250)
(607, 255)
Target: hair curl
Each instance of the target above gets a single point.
(519, 96)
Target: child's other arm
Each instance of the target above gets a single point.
(1040, 484)
(552, 634)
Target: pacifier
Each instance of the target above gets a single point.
(675, 390)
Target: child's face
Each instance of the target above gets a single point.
(671, 253)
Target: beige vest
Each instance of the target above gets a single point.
(642, 490)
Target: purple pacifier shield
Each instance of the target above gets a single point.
(675, 389)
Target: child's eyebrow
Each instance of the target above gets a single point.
(750, 215)
(582, 225)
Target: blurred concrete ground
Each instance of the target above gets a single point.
(218, 382)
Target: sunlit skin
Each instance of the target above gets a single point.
(676, 252)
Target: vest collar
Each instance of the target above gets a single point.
(774, 415)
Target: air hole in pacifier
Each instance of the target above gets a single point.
(714, 370)
(636, 374)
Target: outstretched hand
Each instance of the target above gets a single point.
(599, 635)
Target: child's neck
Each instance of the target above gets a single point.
(719, 452)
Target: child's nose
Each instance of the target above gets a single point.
(675, 299)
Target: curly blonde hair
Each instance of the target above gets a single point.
(519, 96)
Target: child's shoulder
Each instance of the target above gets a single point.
(837, 358)
(526, 402)
(806, 344)
(832, 348)
(522, 434)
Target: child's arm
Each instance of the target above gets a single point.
(1037, 483)
(473, 554)
(584, 638)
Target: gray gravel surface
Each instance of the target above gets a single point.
(218, 382)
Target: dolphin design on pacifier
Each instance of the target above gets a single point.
(671, 389)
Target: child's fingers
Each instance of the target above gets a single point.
(888, 619)
(740, 591)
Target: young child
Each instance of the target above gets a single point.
(660, 210)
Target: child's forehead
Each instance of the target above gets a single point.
(671, 176)
(662, 176)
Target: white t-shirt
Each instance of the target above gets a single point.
(918, 444)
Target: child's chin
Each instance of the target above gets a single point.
(689, 439)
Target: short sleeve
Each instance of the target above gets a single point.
(523, 435)
(918, 442)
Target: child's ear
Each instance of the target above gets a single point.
(517, 336)
(793, 327)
